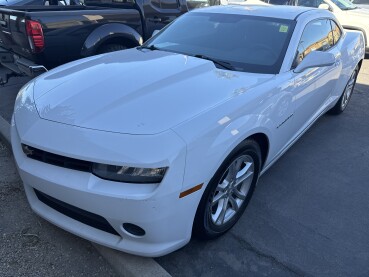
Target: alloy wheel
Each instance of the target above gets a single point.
(348, 90)
(232, 190)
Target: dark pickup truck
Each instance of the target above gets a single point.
(36, 38)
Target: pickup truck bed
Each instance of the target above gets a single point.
(65, 30)
(36, 38)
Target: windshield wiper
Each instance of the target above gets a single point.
(223, 64)
(152, 47)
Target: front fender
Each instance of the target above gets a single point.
(108, 31)
(208, 150)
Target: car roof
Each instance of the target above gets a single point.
(278, 11)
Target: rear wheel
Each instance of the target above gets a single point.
(229, 191)
(346, 95)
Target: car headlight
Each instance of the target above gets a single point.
(128, 174)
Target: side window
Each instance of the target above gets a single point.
(169, 4)
(336, 31)
(166, 4)
(317, 36)
(279, 2)
(309, 3)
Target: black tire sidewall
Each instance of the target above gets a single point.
(203, 226)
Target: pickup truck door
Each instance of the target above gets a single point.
(159, 13)
(314, 86)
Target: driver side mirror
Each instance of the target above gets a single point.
(315, 59)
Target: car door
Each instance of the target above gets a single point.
(313, 86)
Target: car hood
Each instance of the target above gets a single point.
(136, 91)
(359, 12)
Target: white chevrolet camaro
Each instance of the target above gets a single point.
(138, 149)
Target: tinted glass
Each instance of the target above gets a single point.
(344, 4)
(361, 2)
(278, 2)
(108, 3)
(317, 36)
(309, 3)
(336, 31)
(248, 43)
(169, 4)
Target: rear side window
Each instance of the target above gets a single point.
(336, 31)
(279, 2)
(309, 3)
(169, 4)
(317, 36)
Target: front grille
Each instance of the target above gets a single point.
(78, 214)
(55, 159)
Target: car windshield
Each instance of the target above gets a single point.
(361, 2)
(344, 4)
(237, 42)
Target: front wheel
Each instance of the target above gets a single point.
(346, 95)
(229, 191)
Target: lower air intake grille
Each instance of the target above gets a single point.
(78, 214)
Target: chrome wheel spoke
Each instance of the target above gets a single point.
(239, 194)
(233, 170)
(217, 197)
(243, 170)
(243, 178)
(222, 186)
(220, 219)
(233, 203)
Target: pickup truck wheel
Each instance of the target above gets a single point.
(228, 192)
(111, 48)
(346, 95)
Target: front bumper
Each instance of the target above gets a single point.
(157, 208)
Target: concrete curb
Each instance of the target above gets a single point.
(129, 265)
(124, 264)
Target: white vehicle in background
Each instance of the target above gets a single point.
(348, 14)
(139, 149)
(361, 3)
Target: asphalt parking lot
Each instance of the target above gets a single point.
(308, 216)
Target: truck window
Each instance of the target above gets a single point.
(107, 2)
(169, 4)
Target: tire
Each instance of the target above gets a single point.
(211, 221)
(111, 48)
(346, 94)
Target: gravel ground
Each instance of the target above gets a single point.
(30, 246)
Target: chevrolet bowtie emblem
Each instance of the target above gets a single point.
(27, 150)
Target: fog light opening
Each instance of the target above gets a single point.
(133, 230)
